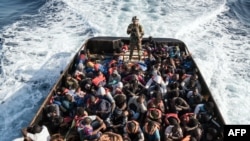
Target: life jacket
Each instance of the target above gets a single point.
(124, 48)
(89, 102)
(78, 76)
(97, 80)
(186, 117)
(111, 63)
(152, 103)
(171, 115)
(154, 117)
(136, 127)
(111, 70)
(66, 90)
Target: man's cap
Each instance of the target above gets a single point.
(135, 18)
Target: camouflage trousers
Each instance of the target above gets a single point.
(134, 45)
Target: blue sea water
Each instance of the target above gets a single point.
(41, 36)
(12, 10)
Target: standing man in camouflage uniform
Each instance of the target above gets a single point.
(136, 33)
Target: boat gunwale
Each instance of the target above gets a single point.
(84, 46)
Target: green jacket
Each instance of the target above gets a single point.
(135, 31)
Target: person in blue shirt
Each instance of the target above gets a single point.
(151, 131)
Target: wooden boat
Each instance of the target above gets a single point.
(100, 48)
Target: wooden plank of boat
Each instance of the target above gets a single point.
(100, 48)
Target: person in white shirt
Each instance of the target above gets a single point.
(36, 133)
(137, 105)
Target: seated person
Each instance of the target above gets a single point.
(154, 114)
(66, 104)
(156, 102)
(89, 130)
(204, 108)
(103, 92)
(53, 119)
(151, 131)
(100, 107)
(179, 105)
(138, 106)
(133, 132)
(80, 115)
(192, 127)
(70, 82)
(36, 133)
(171, 118)
(120, 114)
(173, 132)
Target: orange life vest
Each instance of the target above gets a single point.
(78, 119)
(149, 114)
(97, 80)
(173, 115)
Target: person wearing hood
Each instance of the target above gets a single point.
(155, 82)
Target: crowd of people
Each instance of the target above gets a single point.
(159, 98)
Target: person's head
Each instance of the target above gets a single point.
(68, 76)
(131, 127)
(154, 114)
(135, 20)
(115, 73)
(150, 38)
(176, 127)
(178, 101)
(56, 137)
(172, 121)
(209, 106)
(92, 99)
(69, 97)
(151, 126)
(96, 67)
(57, 120)
(37, 128)
(193, 122)
(141, 98)
(81, 111)
(87, 121)
(51, 111)
(195, 90)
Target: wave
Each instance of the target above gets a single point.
(11, 11)
(241, 10)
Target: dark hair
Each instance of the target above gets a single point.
(37, 128)
(131, 126)
(80, 111)
(87, 120)
(51, 108)
(56, 137)
(193, 122)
